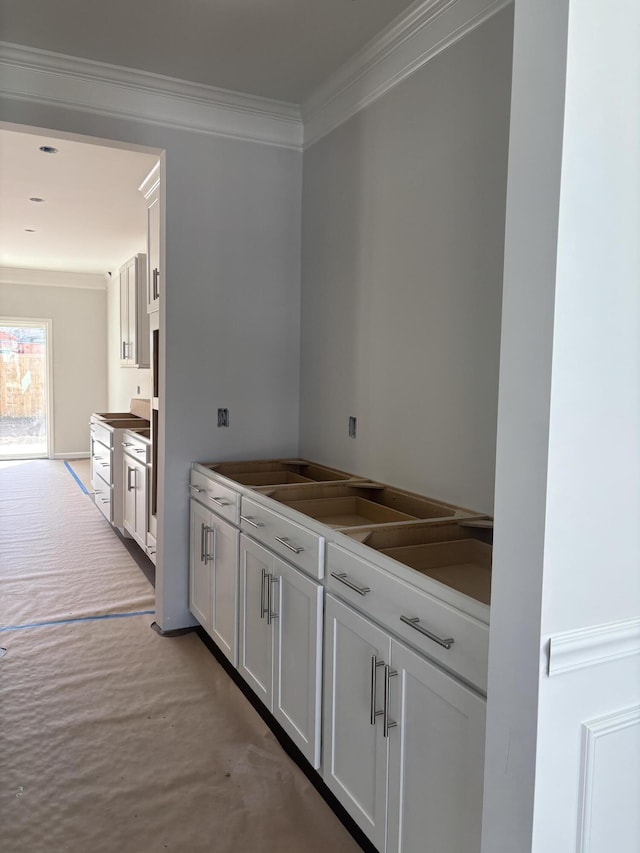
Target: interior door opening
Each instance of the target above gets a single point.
(25, 407)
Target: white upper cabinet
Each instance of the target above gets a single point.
(134, 320)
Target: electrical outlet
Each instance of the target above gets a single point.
(223, 417)
(352, 427)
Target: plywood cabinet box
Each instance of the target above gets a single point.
(134, 320)
(397, 684)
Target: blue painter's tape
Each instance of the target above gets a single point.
(75, 477)
(79, 619)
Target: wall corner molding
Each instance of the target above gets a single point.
(40, 76)
(401, 49)
(592, 646)
(53, 278)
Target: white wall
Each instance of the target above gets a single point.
(79, 335)
(403, 234)
(123, 382)
(229, 313)
(563, 724)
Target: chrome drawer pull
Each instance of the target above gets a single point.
(219, 501)
(140, 450)
(342, 577)
(264, 608)
(104, 500)
(195, 489)
(127, 444)
(105, 464)
(250, 521)
(413, 621)
(270, 597)
(386, 722)
(375, 663)
(284, 540)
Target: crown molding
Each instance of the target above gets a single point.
(53, 278)
(406, 45)
(595, 645)
(51, 78)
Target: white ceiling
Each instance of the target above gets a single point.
(280, 49)
(93, 217)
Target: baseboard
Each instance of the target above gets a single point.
(84, 454)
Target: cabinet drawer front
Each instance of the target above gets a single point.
(387, 599)
(103, 499)
(136, 448)
(101, 433)
(219, 499)
(102, 462)
(287, 538)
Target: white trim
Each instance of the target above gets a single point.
(151, 182)
(83, 454)
(401, 49)
(53, 278)
(592, 732)
(591, 646)
(52, 78)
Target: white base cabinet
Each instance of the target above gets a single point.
(280, 642)
(134, 504)
(403, 741)
(213, 577)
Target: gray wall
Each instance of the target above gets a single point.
(79, 353)
(403, 234)
(230, 316)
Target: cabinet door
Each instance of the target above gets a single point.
(129, 494)
(125, 342)
(140, 530)
(153, 246)
(224, 579)
(295, 603)
(132, 345)
(255, 653)
(355, 756)
(200, 588)
(436, 759)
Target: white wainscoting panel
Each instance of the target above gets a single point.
(609, 818)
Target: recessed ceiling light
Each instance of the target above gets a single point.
(30, 230)
(35, 198)
(48, 149)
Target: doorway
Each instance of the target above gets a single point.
(25, 388)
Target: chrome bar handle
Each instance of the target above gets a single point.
(130, 471)
(386, 722)
(156, 288)
(250, 521)
(264, 609)
(124, 350)
(196, 489)
(375, 663)
(270, 614)
(202, 527)
(218, 501)
(413, 622)
(210, 556)
(284, 540)
(342, 577)
(125, 444)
